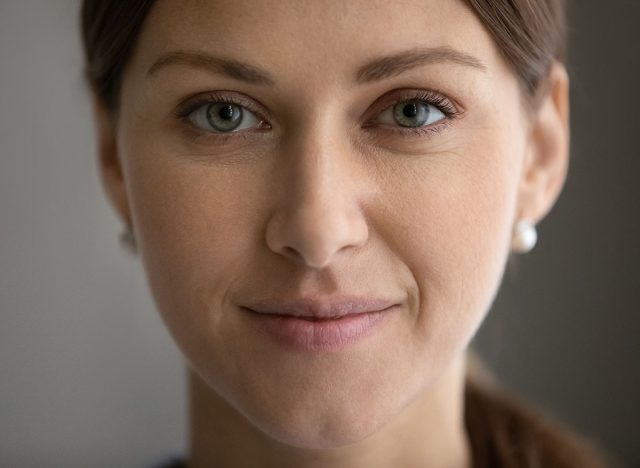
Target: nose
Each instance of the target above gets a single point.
(319, 211)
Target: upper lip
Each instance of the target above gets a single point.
(321, 308)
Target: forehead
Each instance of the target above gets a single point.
(308, 38)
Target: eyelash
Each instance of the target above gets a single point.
(185, 109)
(440, 102)
(433, 98)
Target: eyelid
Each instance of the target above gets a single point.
(191, 104)
(445, 104)
(449, 108)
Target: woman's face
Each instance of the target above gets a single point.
(366, 149)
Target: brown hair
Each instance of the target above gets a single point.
(505, 432)
(530, 35)
(109, 32)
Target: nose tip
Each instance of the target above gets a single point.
(315, 236)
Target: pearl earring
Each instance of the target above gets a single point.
(524, 236)
(128, 240)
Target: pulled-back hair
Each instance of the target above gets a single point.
(504, 432)
(530, 35)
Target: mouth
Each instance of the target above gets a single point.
(318, 308)
(314, 325)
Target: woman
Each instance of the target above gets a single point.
(324, 196)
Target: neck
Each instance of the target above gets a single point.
(429, 432)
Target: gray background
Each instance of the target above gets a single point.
(88, 375)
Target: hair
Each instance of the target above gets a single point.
(530, 35)
(505, 432)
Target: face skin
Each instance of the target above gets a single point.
(326, 195)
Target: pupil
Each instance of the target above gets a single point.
(226, 113)
(410, 110)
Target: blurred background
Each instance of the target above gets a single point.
(88, 375)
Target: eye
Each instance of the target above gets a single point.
(223, 117)
(411, 113)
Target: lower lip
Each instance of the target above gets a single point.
(319, 335)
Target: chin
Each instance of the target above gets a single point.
(332, 434)
(325, 422)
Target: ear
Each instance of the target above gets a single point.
(545, 165)
(109, 164)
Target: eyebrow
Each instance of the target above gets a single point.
(228, 67)
(378, 69)
(393, 65)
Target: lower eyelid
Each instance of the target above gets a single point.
(425, 131)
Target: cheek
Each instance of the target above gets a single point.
(452, 228)
(196, 227)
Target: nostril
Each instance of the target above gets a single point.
(292, 253)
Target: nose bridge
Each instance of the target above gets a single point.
(319, 211)
(317, 164)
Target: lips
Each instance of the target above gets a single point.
(321, 309)
(315, 325)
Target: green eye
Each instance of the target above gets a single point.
(223, 117)
(411, 113)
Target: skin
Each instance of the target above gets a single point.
(328, 199)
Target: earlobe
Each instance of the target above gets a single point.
(109, 163)
(546, 162)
